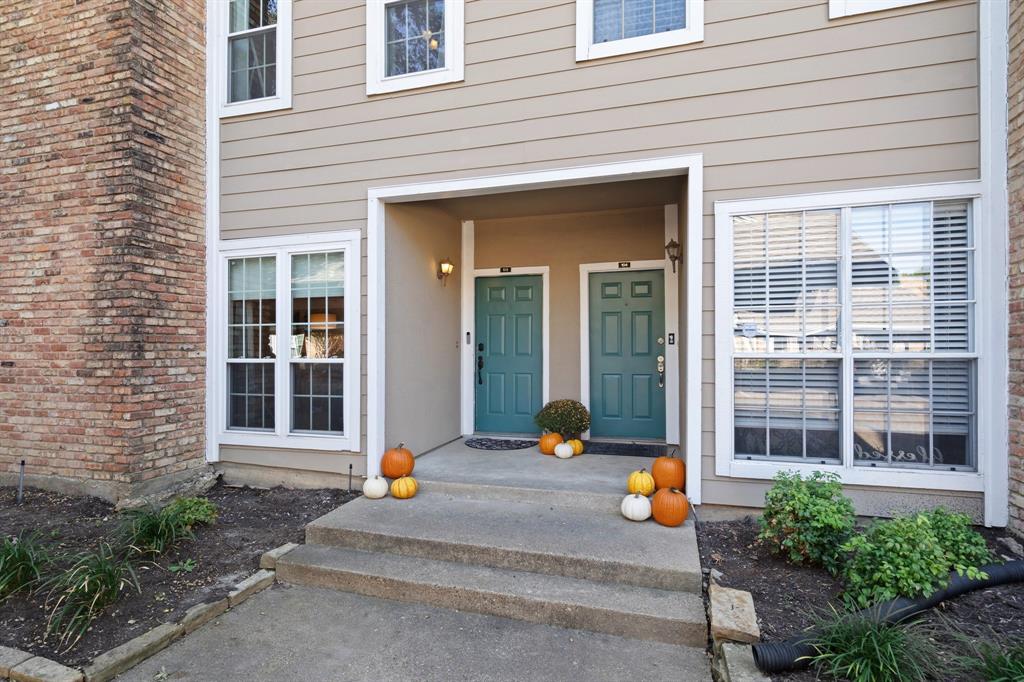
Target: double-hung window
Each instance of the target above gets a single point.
(254, 55)
(846, 337)
(611, 27)
(413, 44)
(290, 342)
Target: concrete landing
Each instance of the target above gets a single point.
(611, 608)
(576, 543)
(305, 633)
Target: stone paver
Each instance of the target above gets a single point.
(732, 615)
(11, 657)
(39, 669)
(304, 633)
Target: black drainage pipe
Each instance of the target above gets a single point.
(794, 653)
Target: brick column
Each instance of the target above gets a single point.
(102, 291)
(1016, 214)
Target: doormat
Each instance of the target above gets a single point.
(625, 449)
(499, 444)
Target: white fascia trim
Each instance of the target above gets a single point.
(378, 197)
(993, 249)
(212, 447)
(992, 360)
(468, 309)
(587, 49)
(454, 51)
(280, 246)
(846, 8)
(217, 57)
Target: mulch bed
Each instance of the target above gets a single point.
(790, 598)
(250, 521)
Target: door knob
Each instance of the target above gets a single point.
(479, 369)
(661, 371)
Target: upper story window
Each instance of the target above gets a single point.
(254, 58)
(412, 44)
(611, 27)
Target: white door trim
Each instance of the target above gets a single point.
(671, 327)
(377, 197)
(468, 393)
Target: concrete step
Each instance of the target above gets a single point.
(576, 499)
(539, 538)
(628, 611)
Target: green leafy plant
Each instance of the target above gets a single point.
(567, 417)
(807, 519)
(154, 531)
(186, 566)
(993, 659)
(92, 582)
(854, 648)
(23, 559)
(911, 556)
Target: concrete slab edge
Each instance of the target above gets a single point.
(269, 559)
(22, 666)
(734, 662)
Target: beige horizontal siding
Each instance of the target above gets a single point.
(777, 98)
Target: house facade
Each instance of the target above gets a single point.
(773, 234)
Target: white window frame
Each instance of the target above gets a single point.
(347, 241)
(849, 8)
(586, 49)
(991, 363)
(217, 53)
(454, 51)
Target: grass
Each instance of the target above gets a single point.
(154, 531)
(77, 595)
(996, 659)
(23, 559)
(857, 649)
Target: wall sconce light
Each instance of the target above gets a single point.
(672, 249)
(445, 268)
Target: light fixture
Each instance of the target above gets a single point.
(445, 268)
(672, 249)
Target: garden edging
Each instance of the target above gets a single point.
(22, 666)
(733, 628)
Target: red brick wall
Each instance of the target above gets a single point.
(101, 242)
(1016, 189)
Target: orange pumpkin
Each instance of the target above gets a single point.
(669, 507)
(397, 462)
(548, 442)
(405, 487)
(669, 472)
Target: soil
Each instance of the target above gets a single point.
(789, 598)
(250, 521)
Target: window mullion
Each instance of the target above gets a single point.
(282, 389)
(845, 251)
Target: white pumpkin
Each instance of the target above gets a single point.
(636, 507)
(563, 451)
(375, 488)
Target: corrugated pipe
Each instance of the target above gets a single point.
(795, 652)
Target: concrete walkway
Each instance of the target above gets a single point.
(307, 633)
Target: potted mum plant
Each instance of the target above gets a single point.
(569, 418)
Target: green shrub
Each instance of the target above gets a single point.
(567, 417)
(76, 596)
(154, 531)
(807, 519)
(994, 661)
(192, 511)
(22, 562)
(854, 648)
(911, 556)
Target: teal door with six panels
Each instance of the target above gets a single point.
(627, 354)
(509, 353)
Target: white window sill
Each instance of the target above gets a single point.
(849, 8)
(586, 51)
(255, 106)
(891, 477)
(412, 81)
(290, 441)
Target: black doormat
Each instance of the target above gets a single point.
(625, 449)
(499, 444)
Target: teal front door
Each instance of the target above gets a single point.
(509, 361)
(627, 354)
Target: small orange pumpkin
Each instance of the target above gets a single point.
(669, 507)
(669, 472)
(405, 487)
(548, 442)
(397, 462)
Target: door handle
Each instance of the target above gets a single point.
(661, 371)
(479, 369)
